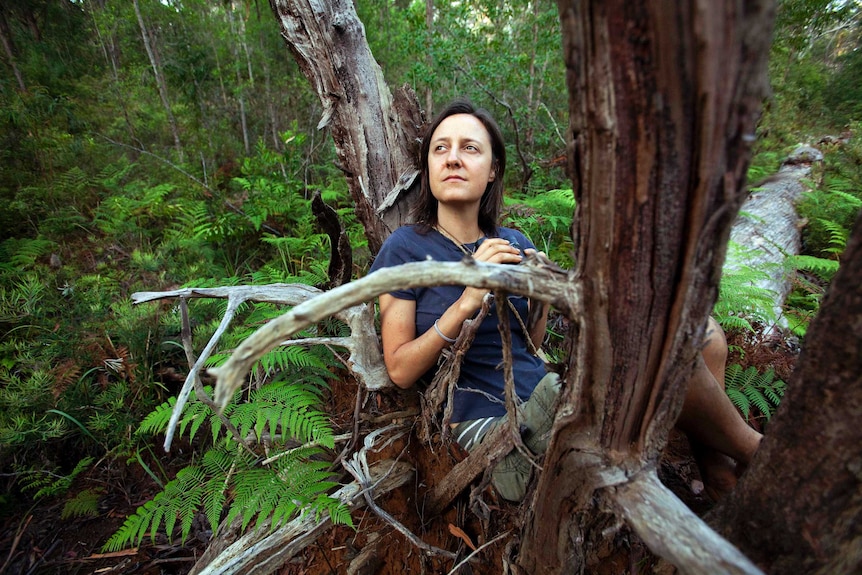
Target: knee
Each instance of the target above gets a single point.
(714, 344)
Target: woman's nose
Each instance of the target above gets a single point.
(452, 158)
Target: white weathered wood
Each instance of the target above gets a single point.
(673, 531)
(373, 130)
(365, 359)
(260, 552)
(769, 229)
(540, 283)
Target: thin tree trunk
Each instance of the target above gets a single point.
(9, 49)
(160, 81)
(240, 84)
(244, 43)
(109, 49)
(798, 509)
(663, 102)
(429, 60)
(532, 93)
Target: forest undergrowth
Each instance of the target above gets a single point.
(109, 189)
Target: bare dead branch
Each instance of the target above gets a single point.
(203, 396)
(539, 283)
(673, 531)
(365, 360)
(358, 469)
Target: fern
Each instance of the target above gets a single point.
(230, 479)
(838, 236)
(21, 254)
(821, 267)
(179, 501)
(546, 218)
(285, 410)
(48, 484)
(84, 504)
(266, 493)
(741, 300)
(228, 482)
(750, 390)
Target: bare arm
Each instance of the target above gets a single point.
(409, 355)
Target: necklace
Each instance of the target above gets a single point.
(451, 237)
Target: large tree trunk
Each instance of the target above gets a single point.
(376, 136)
(664, 99)
(798, 509)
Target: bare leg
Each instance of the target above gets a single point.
(713, 425)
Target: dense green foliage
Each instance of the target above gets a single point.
(192, 163)
(755, 394)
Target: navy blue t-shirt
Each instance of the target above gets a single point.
(480, 389)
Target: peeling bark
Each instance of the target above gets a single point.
(663, 102)
(374, 132)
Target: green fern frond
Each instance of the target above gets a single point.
(112, 174)
(286, 357)
(84, 504)
(749, 389)
(278, 494)
(49, 484)
(285, 410)
(22, 253)
(822, 267)
(72, 181)
(838, 235)
(740, 400)
(157, 420)
(180, 500)
(338, 512)
(845, 196)
(214, 498)
(134, 528)
(194, 415)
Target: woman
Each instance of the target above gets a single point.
(462, 164)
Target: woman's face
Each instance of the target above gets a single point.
(460, 162)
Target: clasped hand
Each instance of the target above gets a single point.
(493, 251)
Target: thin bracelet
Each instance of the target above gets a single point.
(441, 334)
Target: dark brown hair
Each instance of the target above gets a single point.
(425, 210)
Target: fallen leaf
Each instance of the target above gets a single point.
(458, 532)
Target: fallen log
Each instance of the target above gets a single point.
(769, 229)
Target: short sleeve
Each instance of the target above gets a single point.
(394, 252)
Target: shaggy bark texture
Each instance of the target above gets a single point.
(664, 98)
(798, 509)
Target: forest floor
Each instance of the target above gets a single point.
(36, 541)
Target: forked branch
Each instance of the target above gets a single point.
(539, 283)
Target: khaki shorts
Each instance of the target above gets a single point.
(535, 418)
